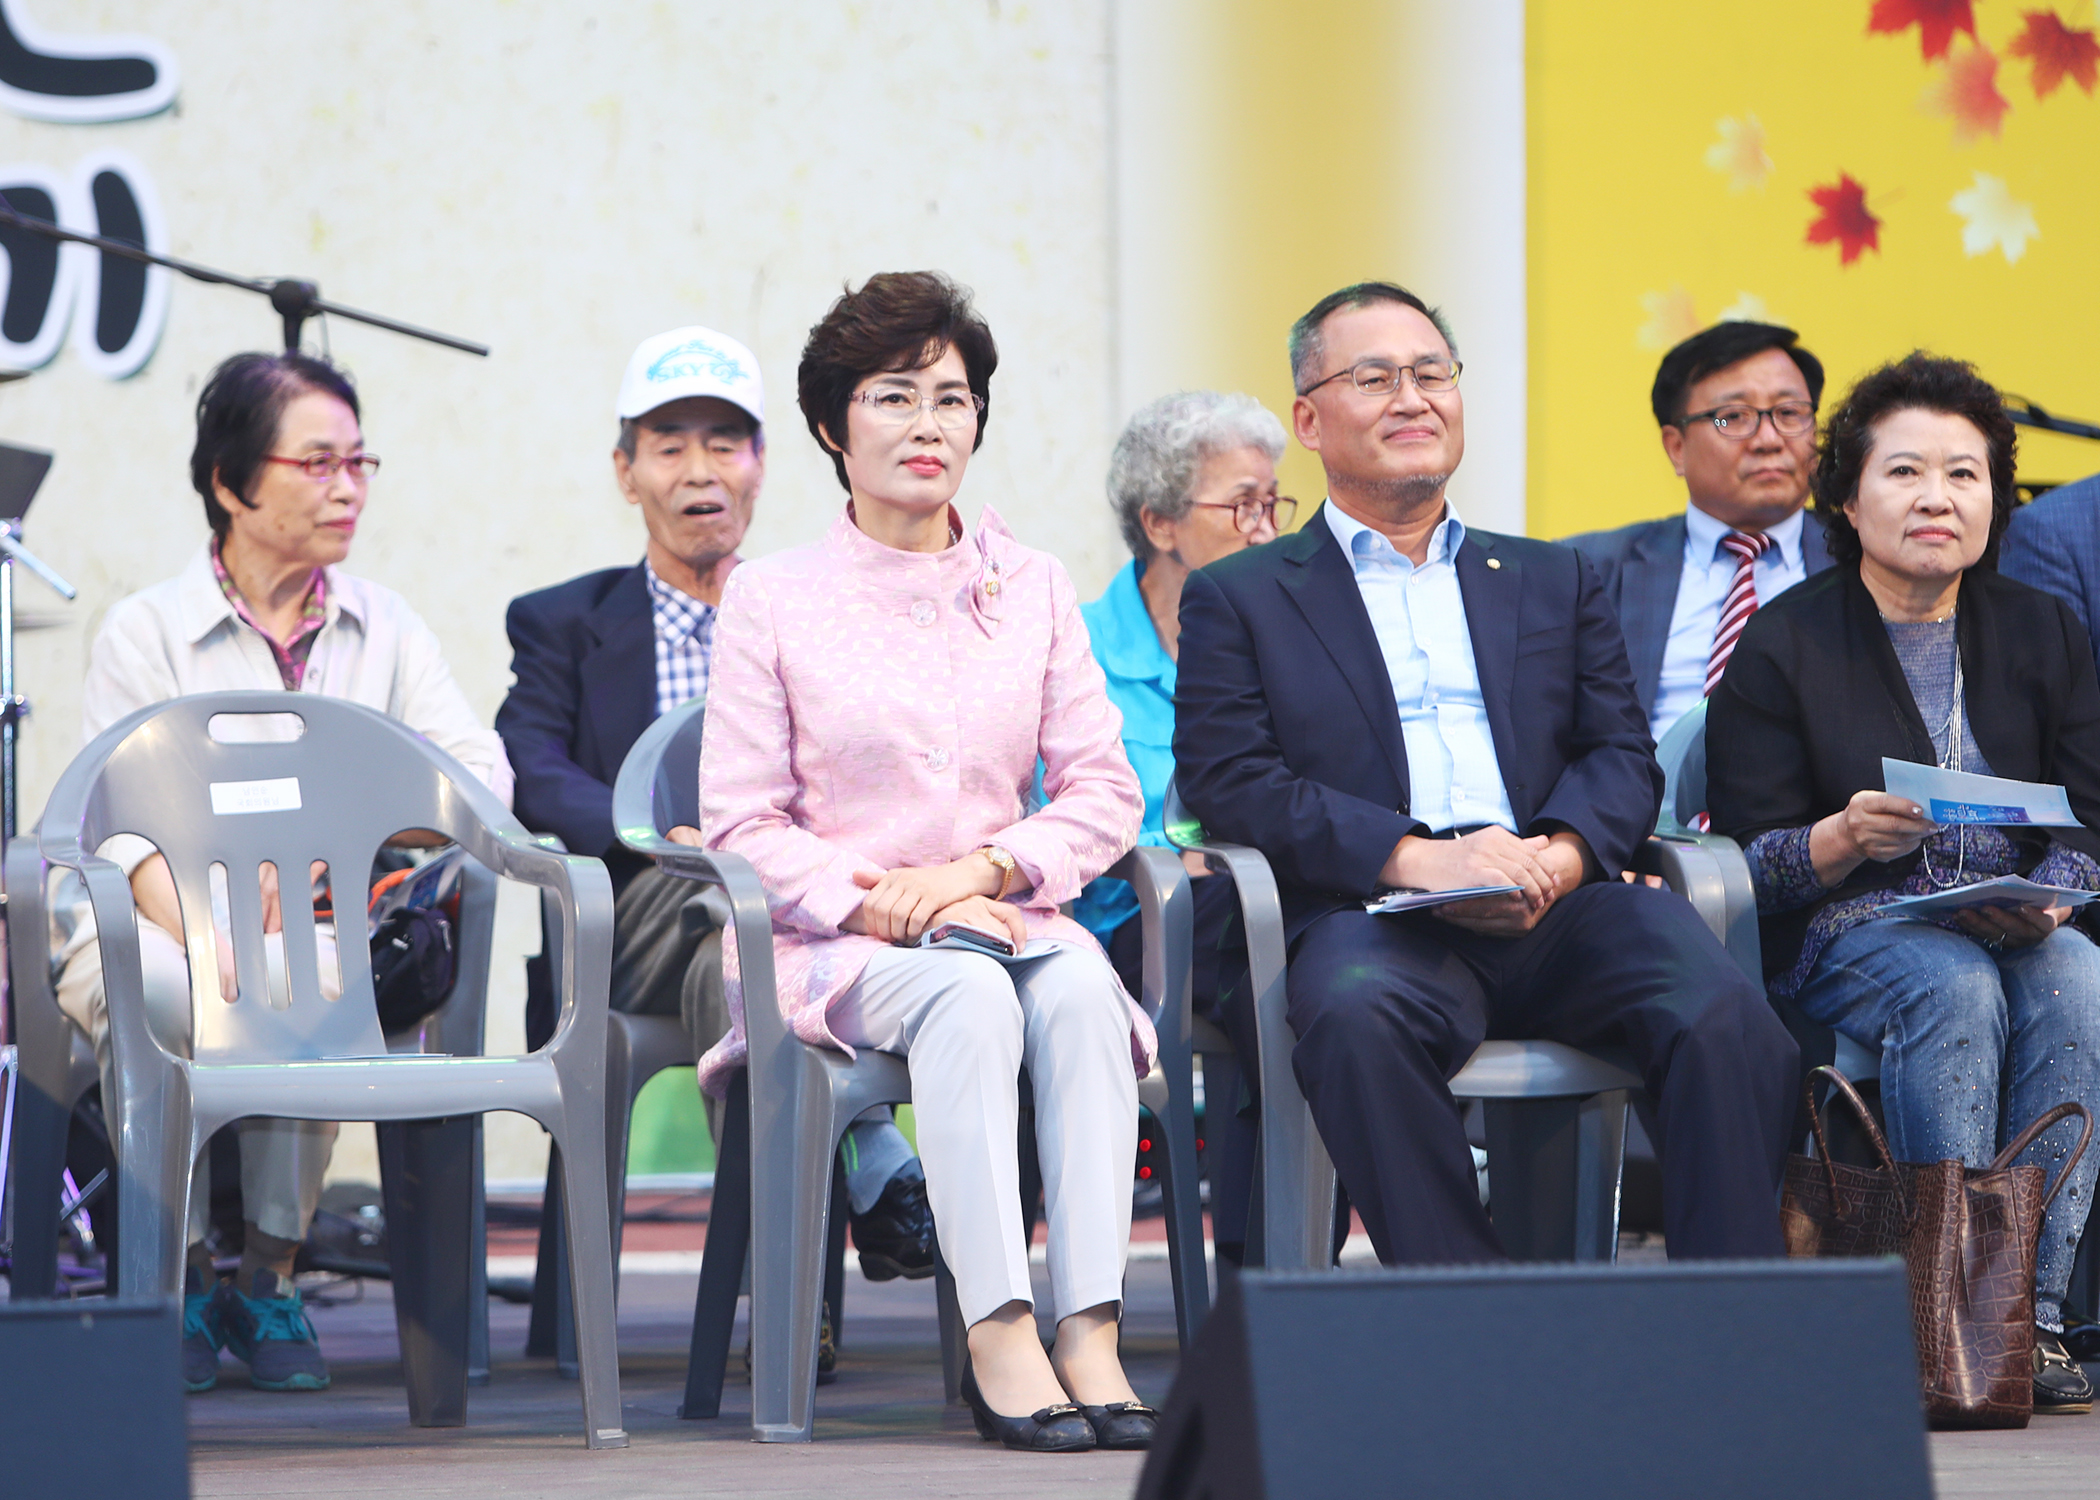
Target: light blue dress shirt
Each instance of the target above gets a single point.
(1419, 617)
(1708, 570)
(1140, 684)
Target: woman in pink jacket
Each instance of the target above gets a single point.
(878, 704)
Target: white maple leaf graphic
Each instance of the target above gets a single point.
(1739, 154)
(1672, 318)
(1748, 307)
(1992, 220)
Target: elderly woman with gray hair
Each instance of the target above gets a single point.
(1192, 479)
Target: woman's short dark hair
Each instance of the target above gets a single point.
(1917, 382)
(237, 417)
(898, 320)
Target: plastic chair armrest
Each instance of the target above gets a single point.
(753, 918)
(1711, 873)
(1166, 920)
(1297, 1174)
(583, 899)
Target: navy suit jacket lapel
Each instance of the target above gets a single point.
(1815, 549)
(1493, 597)
(1322, 583)
(1647, 600)
(619, 673)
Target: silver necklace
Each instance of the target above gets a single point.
(1950, 760)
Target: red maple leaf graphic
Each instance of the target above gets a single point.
(2058, 52)
(1967, 93)
(1843, 217)
(1936, 20)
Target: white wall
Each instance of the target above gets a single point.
(559, 181)
(1461, 211)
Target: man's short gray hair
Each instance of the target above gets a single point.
(1162, 451)
(1309, 333)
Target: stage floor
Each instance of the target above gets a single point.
(880, 1430)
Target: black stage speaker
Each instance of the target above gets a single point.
(91, 1400)
(1714, 1379)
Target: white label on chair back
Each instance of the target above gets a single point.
(279, 794)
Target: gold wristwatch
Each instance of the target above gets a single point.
(1009, 872)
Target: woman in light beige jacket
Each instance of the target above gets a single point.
(282, 470)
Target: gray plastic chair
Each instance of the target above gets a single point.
(58, 1066)
(660, 778)
(351, 780)
(658, 789)
(1683, 756)
(798, 1101)
(1556, 1115)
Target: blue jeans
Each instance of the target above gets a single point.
(1974, 1047)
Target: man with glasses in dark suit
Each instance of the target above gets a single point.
(1736, 405)
(1387, 699)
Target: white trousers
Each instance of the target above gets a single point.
(282, 1161)
(966, 1026)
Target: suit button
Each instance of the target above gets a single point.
(937, 759)
(924, 612)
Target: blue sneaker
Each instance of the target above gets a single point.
(271, 1334)
(201, 1335)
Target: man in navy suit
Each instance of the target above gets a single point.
(2054, 544)
(1386, 699)
(598, 658)
(1737, 408)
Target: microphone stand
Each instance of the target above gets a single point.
(12, 707)
(12, 704)
(295, 301)
(2027, 414)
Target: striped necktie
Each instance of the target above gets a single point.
(1741, 602)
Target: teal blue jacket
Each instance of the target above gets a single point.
(1140, 683)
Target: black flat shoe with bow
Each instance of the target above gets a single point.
(1122, 1424)
(1055, 1429)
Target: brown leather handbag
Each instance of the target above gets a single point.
(1968, 1237)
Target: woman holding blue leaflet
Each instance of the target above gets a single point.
(1914, 648)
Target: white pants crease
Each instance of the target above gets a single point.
(966, 1026)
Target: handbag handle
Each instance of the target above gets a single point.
(1840, 1084)
(2028, 1136)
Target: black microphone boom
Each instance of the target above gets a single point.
(295, 301)
(2027, 414)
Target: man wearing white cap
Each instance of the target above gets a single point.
(598, 658)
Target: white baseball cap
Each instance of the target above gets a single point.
(691, 362)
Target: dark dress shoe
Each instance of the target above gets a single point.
(2060, 1386)
(1055, 1429)
(827, 1354)
(1122, 1424)
(895, 1236)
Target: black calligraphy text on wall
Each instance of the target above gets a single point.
(114, 307)
(79, 80)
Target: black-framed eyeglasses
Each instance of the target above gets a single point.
(1740, 421)
(322, 466)
(1248, 515)
(1432, 374)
